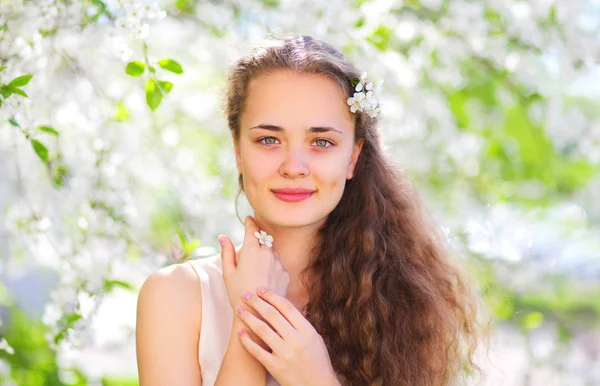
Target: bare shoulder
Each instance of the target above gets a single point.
(169, 315)
(176, 288)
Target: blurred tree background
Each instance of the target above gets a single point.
(115, 160)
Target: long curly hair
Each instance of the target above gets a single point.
(384, 295)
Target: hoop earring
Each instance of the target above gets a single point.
(237, 197)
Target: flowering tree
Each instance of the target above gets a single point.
(116, 156)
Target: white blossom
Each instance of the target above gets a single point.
(367, 103)
(4, 346)
(264, 238)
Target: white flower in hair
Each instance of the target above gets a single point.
(365, 102)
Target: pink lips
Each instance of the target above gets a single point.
(293, 194)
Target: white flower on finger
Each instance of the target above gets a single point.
(264, 238)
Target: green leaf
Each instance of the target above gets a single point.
(58, 337)
(13, 122)
(182, 237)
(2, 68)
(40, 149)
(414, 4)
(171, 65)
(564, 333)
(107, 381)
(17, 91)
(381, 37)
(153, 95)
(135, 68)
(165, 86)
(185, 7)
(122, 113)
(102, 10)
(553, 15)
(59, 175)
(152, 69)
(270, 3)
(73, 318)
(110, 284)
(188, 248)
(21, 81)
(533, 320)
(6, 91)
(48, 129)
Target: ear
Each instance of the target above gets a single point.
(355, 153)
(236, 147)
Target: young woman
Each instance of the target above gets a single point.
(341, 278)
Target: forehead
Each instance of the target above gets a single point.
(297, 99)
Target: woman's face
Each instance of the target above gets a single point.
(296, 131)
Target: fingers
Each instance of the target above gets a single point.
(227, 256)
(271, 315)
(256, 351)
(285, 308)
(249, 228)
(261, 329)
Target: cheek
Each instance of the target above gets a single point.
(331, 175)
(257, 167)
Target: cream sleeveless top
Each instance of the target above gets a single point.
(217, 317)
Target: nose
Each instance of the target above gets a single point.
(294, 164)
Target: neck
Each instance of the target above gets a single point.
(293, 245)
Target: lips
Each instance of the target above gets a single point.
(293, 191)
(293, 194)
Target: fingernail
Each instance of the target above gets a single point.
(261, 290)
(221, 240)
(242, 332)
(239, 309)
(246, 295)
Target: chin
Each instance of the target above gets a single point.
(297, 217)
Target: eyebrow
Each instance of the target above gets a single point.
(312, 129)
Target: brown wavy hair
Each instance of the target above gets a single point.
(384, 295)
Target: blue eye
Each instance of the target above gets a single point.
(267, 142)
(262, 139)
(325, 141)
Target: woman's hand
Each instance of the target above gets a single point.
(254, 265)
(299, 355)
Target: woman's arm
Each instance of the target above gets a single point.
(244, 268)
(239, 367)
(169, 315)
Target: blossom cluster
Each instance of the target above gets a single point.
(365, 102)
(135, 13)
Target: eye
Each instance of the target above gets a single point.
(321, 143)
(324, 141)
(266, 143)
